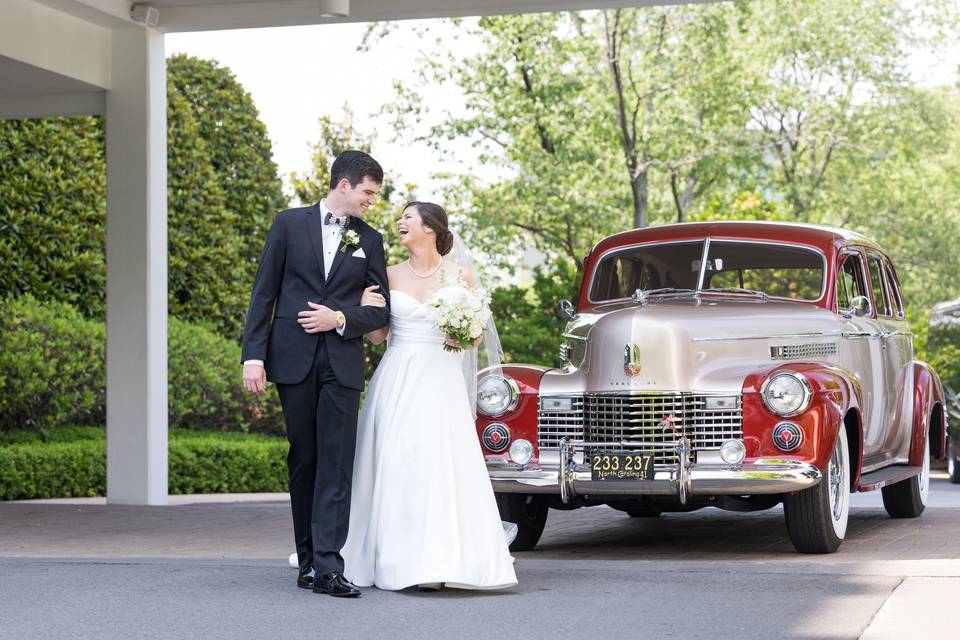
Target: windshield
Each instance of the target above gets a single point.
(734, 267)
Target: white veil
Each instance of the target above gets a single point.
(488, 354)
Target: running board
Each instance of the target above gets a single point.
(888, 475)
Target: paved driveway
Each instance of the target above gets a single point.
(218, 570)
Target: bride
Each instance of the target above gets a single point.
(422, 509)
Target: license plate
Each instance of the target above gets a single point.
(616, 465)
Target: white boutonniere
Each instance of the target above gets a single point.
(350, 239)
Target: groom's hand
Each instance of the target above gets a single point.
(319, 318)
(255, 379)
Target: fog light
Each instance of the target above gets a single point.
(733, 451)
(521, 451)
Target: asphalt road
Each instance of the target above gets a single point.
(218, 571)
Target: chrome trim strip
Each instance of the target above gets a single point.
(703, 264)
(572, 336)
(774, 336)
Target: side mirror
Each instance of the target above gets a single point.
(565, 310)
(859, 307)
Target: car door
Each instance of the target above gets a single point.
(898, 344)
(861, 350)
(891, 354)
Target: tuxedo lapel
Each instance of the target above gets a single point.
(315, 229)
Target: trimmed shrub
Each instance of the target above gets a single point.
(52, 374)
(198, 463)
(206, 392)
(223, 191)
(51, 366)
(52, 203)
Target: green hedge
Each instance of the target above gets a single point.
(73, 464)
(52, 374)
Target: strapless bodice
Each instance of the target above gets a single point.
(409, 323)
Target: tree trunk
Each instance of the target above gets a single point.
(639, 189)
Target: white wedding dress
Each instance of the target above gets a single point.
(422, 508)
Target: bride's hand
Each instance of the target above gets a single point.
(461, 345)
(372, 299)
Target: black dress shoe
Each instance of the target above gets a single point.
(334, 584)
(306, 577)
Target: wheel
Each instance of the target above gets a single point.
(908, 498)
(953, 464)
(817, 517)
(528, 512)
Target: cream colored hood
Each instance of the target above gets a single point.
(685, 345)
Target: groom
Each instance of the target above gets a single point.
(304, 332)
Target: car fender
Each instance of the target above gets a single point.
(835, 393)
(522, 421)
(927, 394)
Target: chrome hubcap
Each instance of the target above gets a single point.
(836, 481)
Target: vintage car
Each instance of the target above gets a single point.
(730, 364)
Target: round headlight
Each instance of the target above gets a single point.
(497, 395)
(786, 393)
(733, 451)
(521, 451)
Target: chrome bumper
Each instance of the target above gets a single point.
(569, 479)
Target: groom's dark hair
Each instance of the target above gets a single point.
(355, 166)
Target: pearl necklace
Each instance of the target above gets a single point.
(432, 271)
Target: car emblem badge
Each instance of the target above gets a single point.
(787, 436)
(631, 359)
(496, 437)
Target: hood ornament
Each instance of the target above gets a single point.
(631, 359)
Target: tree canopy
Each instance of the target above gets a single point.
(605, 120)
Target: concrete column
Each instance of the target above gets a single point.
(136, 122)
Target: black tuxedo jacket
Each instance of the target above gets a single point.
(290, 275)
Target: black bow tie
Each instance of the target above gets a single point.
(340, 221)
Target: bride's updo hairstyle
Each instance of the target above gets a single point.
(435, 217)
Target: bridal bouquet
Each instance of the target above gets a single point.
(460, 312)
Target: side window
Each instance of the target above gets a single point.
(849, 281)
(894, 287)
(880, 298)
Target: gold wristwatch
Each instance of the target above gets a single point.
(341, 319)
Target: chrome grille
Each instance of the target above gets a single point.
(640, 418)
(797, 351)
(553, 426)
